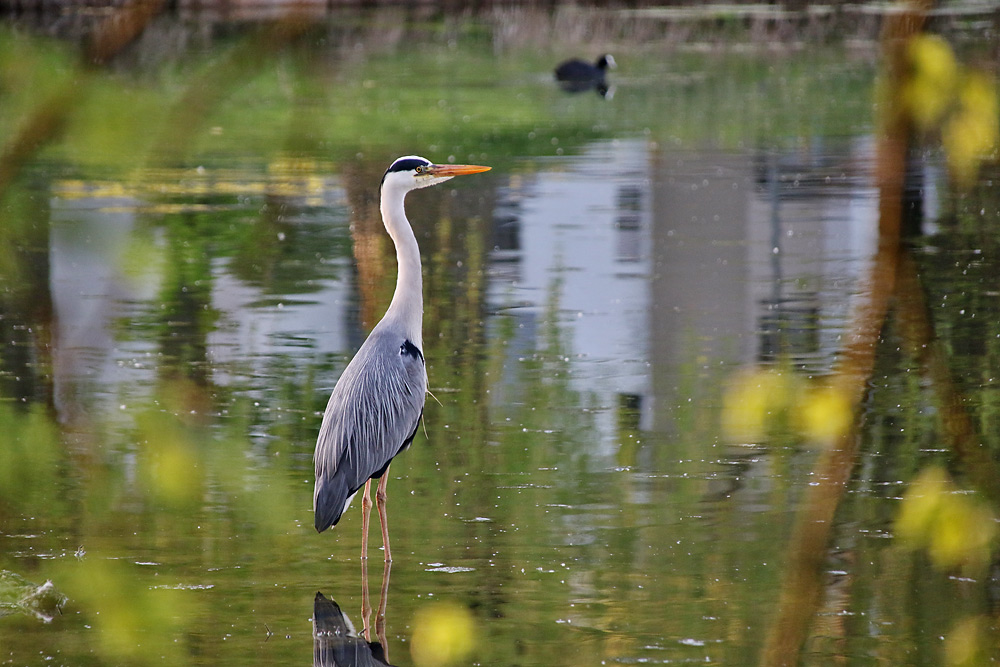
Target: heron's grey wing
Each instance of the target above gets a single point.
(372, 414)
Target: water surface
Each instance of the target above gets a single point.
(181, 296)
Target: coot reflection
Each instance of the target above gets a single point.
(335, 641)
(575, 76)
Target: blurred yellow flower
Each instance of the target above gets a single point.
(759, 403)
(170, 469)
(133, 620)
(965, 645)
(956, 529)
(941, 96)
(971, 134)
(823, 413)
(928, 91)
(443, 634)
(754, 401)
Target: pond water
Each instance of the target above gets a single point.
(192, 259)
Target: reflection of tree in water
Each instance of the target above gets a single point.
(962, 282)
(285, 249)
(373, 251)
(25, 300)
(257, 258)
(186, 315)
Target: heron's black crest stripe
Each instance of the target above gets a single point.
(411, 350)
(405, 164)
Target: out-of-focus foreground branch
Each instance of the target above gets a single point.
(802, 588)
(116, 31)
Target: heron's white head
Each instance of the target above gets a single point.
(411, 172)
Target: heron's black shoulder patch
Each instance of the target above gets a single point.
(411, 350)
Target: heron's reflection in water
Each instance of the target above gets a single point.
(336, 642)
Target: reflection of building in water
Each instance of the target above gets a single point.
(757, 258)
(814, 214)
(89, 237)
(577, 239)
(660, 261)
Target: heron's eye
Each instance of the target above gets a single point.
(420, 170)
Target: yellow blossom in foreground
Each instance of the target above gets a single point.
(443, 634)
(754, 401)
(823, 413)
(957, 529)
(971, 134)
(928, 91)
(966, 643)
(760, 403)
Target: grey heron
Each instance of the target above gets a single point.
(575, 76)
(378, 401)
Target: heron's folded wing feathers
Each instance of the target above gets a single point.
(372, 414)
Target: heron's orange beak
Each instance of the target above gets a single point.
(456, 169)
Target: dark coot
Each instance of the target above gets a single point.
(576, 76)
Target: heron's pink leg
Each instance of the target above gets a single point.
(380, 498)
(366, 508)
(366, 604)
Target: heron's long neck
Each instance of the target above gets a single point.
(407, 307)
